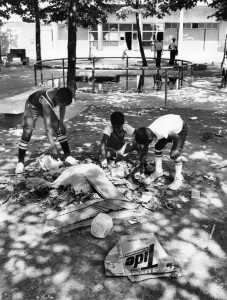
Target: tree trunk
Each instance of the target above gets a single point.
(71, 76)
(140, 41)
(37, 31)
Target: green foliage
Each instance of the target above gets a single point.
(220, 7)
(88, 12)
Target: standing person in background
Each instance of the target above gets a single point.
(173, 51)
(159, 53)
(124, 50)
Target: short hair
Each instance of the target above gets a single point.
(64, 95)
(117, 118)
(174, 39)
(142, 135)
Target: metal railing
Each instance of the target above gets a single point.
(48, 68)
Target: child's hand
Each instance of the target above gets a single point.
(103, 161)
(174, 154)
(54, 153)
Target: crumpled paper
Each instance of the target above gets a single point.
(101, 225)
(47, 163)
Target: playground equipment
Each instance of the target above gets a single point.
(93, 73)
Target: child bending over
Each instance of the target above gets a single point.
(113, 143)
(166, 129)
(42, 103)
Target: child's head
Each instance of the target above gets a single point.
(143, 135)
(117, 118)
(174, 39)
(64, 96)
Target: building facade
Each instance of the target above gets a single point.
(192, 28)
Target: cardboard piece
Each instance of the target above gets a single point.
(195, 194)
(104, 187)
(138, 254)
(88, 210)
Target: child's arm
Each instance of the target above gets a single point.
(61, 121)
(47, 121)
(103, 148)
(177, 146)
(143, 157)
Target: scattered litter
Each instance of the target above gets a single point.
(151, 206)
(135, 220)
(219, 165)
(101, 226)
(130, 257)
(10, 188)
(193, 118)
(54, 193)
(195, 194)
(170, 205)
(97, 288)
(183, 198)
(206, 136)
(212, 231)
(47, 163)
(209, 177)
(4, 180)
(145, 198)
(36, 183)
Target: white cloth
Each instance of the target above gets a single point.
(126, 127)
(165, 125)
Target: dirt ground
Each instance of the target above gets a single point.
(69, 266)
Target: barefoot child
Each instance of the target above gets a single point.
(113, 143)
(166, 129)
(42, 103)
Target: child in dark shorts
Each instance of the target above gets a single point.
(113, 143)
(42, 103)
(166, 129)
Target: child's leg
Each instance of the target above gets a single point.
(158, 158)
(178, 179)
(29, 119)
(62, 139)
(23, 145)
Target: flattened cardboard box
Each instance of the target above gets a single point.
(137, 255)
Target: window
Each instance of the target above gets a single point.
(113, 27)
(125, 27)
(93, 36)
(171, 25)
(195, 25)
(174, 25)
(105, 36)
(147, 36)
(201, 25)
(147, 27)
(187, 25)
(134, 27)
(105, 27)
(212, 25)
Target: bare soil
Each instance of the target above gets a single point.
(68, 266)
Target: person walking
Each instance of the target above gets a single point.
(173, 51)
(159, 53)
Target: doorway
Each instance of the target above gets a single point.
(128, 40)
